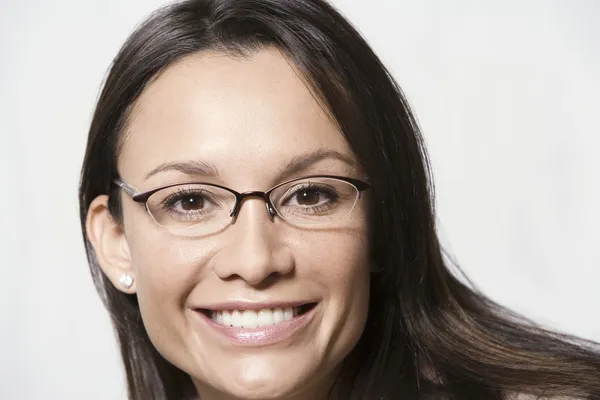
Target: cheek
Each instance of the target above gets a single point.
(160, 261)
(340, 264)
(340, 260)
(160, 269)
(165, 273)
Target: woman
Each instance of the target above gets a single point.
(257, 209)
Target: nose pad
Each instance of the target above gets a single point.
(244, 196)
(271, 211)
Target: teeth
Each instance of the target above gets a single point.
(277, 315)
(265, 318)
(253, 318)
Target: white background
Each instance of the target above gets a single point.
(507, 93)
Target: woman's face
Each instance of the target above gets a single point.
(240, 123)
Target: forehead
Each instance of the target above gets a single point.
(248, 116)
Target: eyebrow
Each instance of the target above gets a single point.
(303, 161)
(193, 167)
(297, 164)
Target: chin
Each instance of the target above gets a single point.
(266, 392)
(257, 388)
(262, 378)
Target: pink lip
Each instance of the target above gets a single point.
(261, 336)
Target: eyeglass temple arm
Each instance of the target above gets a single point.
(127, 188)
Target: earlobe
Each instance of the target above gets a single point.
(108, 239)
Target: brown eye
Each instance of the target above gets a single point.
(189, 201)
(308, 197)
(185, 205)
(192, 203)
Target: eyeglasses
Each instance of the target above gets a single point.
(196, 209)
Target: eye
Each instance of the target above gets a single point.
(186, 204)
(186, 200)
(191, 202)
(310, 195)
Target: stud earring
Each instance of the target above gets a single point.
(126, 281)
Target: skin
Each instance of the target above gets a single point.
(249, 117)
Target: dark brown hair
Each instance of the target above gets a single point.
(428, 334)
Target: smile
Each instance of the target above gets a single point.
(257, 318)
(257, 326)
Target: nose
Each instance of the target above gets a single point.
(253, 252)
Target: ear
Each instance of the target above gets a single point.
(107, 238)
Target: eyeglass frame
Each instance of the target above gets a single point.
(142, 197)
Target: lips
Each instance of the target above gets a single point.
(256, 324)
(256, 318)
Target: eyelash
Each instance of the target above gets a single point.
(312, 186)
(173, 198)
